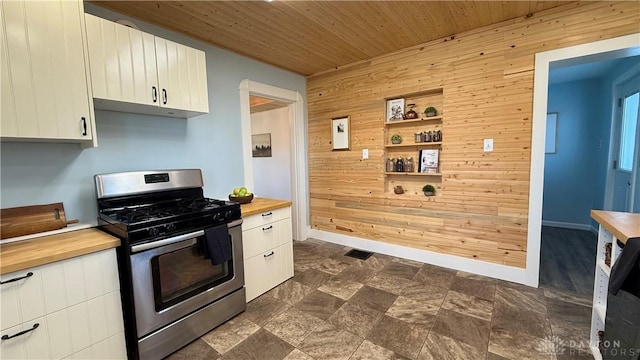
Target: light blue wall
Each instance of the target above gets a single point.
(40, 173)
(575, 176)
(570, 173)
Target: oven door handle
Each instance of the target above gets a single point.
(164, 242)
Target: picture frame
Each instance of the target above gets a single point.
(395, 109)
(428, 163)
(340, 133)
(261, 145)
(550, 137)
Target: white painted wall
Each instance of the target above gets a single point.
(272, 175)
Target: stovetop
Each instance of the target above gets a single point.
(131, 215)
(136, 221)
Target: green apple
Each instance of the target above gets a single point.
(242, 192)
(236, 191)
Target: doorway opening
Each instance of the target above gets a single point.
(270, 149)
(620, 47)
(297, 144)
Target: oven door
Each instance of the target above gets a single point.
(171, 278)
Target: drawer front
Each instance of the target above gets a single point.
(266, 217)
(31, 345)
(262, 238)
(265, 271)
(22, 300)
(55, 286)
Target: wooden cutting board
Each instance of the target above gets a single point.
(26, 220)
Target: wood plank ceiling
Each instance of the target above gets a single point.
(308, 37)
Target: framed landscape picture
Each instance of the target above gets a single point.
(261, 145)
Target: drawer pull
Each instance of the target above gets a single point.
(267, 214)
(269, 254)
(267, 228)
(7, 337)
(29, 274)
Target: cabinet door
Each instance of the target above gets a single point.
(265, 271)
(45, 71)
(182, 76)
(123, 62)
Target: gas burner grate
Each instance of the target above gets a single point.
(358, 254)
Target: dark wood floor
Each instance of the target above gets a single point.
(567, 259)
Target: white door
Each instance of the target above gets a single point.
(626, 136)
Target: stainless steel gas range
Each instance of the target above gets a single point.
(180, 261)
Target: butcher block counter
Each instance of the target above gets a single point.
(260, 205)
(623, 225)
(25, 254)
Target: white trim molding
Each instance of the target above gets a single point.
(298, 146)
(622, 46)
(566, 225)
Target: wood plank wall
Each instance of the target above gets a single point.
(487, 76)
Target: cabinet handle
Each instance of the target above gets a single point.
(154, 93)
(267, 228)
(7, 337)
(269, 254)
(84, 126)
(268, 214)
(29, 274)
(164, 96)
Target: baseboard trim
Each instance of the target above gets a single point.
(567, 225)
(478, 267)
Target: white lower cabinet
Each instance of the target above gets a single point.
(75, 304)
(267, 251)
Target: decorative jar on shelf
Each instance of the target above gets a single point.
(408, 166)
(427, 136)
(396, 139)
(418, 137)
(399, 165)
(390, 165)
(437, 136)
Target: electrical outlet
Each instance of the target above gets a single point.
(365, 154)
(488, 145)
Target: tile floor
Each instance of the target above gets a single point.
(338, 307)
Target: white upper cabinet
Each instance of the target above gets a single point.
(45, 87)
(133, 71)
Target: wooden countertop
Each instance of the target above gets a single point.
(25, 254)
(623, 225)
(260, 205)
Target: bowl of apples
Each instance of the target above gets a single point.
(241, 195)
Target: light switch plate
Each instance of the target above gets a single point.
(488, 145)
(365, 154)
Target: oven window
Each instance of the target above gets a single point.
(184, 273)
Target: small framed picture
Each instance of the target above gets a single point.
(428, 161)
(395, 109)
(261, 144)
(340, 129)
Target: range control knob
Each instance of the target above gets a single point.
(228, 214)
(217, 216)
(170, 227)
(154, 231)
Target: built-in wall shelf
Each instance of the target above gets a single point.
(408, 130)
(413, 121)
(412, 174)
(409, 145)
